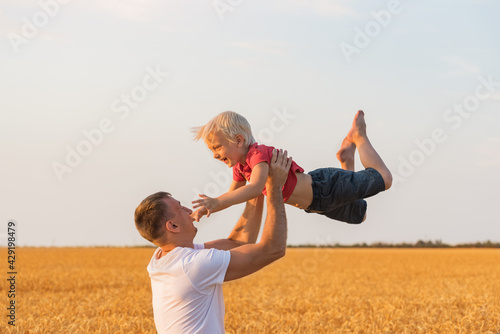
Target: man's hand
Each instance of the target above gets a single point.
(206, 205)
(278, 169)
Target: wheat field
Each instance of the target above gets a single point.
(107, 290)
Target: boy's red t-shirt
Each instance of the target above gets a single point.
(260, 153)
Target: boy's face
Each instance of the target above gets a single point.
(228, 152)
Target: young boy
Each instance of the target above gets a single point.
(334, 192)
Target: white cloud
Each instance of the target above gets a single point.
(329, 8)
(14, 24)
(495, 97)
(266, 46)
(460, 66)
(6, 24)
(28, 4)
(55, 37)
(135, 10)
(490, 151)
(245, 62)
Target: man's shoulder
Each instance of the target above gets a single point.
(161, 261)
(204, 266)
(203, 252)
(188, 255)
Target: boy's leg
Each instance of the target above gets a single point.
(352, 212)
(347, 205)
(338, 194)
(369, 157)
(354, 209)
(346, 155)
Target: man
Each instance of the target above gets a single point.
(186, 278)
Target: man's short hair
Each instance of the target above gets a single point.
(151, 215)
(230, 124)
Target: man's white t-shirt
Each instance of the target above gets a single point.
(187, 290)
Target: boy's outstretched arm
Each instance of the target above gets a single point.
(246, 229)
(235, 185)
(203, 211)
(255, 186)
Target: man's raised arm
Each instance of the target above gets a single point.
(247, 259)
(246, 229)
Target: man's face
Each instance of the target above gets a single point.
(182, 216)
(228, 152)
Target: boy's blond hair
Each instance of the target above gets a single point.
(230, 124)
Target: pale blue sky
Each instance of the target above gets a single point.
(65, 69)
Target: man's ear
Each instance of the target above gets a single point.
(171, 227)
(240, 141)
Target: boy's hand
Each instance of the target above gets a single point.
(196, 215)
(207, 204)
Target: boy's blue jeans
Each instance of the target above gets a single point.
(338, 193)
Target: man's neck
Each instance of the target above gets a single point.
(169, 247)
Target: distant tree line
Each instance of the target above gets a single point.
(418, 244)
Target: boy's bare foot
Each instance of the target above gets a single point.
(358, 129)
(367, 154)
(346, 155)
(355, 136)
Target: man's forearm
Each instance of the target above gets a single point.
(247, 228)
(247, 259)
(275, 231)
